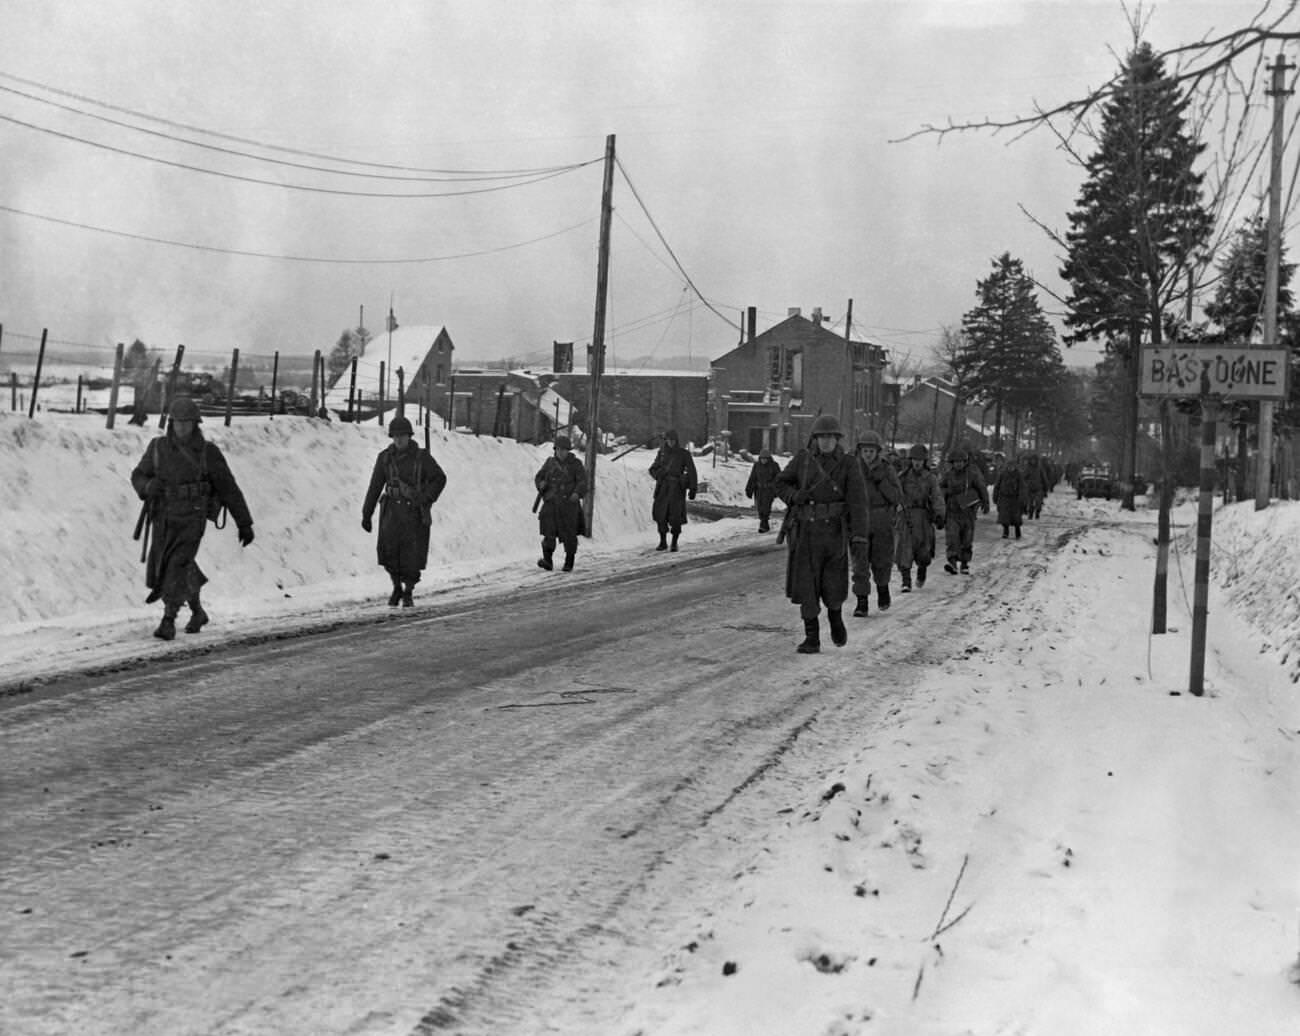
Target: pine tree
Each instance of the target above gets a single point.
(1238, 304)
(351, 343)
(1139, 222)
(1009, 348)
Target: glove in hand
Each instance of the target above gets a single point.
(367, 524)
(246, 536)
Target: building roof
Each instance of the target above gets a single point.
(409, 348)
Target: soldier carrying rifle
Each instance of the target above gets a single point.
(826, 517)
(405, 483)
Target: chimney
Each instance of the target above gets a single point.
(793, 311)
(751, 319)
(817, 316)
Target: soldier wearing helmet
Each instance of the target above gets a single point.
(884, 494)
(675, 481)
(184, 481)
(826, 517)
(922, 512)
(761, 487)
(561, 484)
(405, 483)
(963, 490)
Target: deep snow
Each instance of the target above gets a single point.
(1052, 833)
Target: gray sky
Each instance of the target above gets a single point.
(757, 135)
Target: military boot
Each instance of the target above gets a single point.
(839, 635)
(568, 561)
(906, 575)
(864, 607)
(198, 617)
(663, 541)
(408, 600)
(167, 628)
(882, 596)
(673, 546)
(545, 560)
(812, 641)
(395, 598)
(920, 576)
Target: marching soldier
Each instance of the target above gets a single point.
(963, 490)
(561, 484)
(405, 483)
(1011, 497)
(826, 517)
(674, 473)
(761, 487)
(884, 493)
(184, 481)
(922, 513)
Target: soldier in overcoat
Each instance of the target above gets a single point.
(884, 494)
(184, 481)
(673, 470)
(561, 485)
(963, 490)
(826, 518)
(761, 487)
(1011, 497)
(1035, 484)
(922, 512)
(405, 483)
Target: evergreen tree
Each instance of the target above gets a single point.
(1009, 354)
(351, 343)
(1138, 225)
(1238, 304)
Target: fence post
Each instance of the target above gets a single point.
(77, 409)
(230, 391)
(171, 387)
(117, 381)
(275, 378)
(382, 376)
(36, 382)
(401, 392)
(352, 391)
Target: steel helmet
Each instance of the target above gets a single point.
(959, 454)
(400, 426)
(563, 442)
(826, 425)
(918, 452)
(869, 437)
(184, 408)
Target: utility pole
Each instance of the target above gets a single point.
(597, 356)
(850, 431)
(1279, 93)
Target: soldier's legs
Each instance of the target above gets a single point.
(548, 549)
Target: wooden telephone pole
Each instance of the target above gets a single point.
(596, 363)
(1278, 92)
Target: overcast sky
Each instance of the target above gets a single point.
(756, 134)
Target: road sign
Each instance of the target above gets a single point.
(1226, 371)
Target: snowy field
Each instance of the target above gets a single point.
(1049, 837)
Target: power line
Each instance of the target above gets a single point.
(295, 258)
(558, 171)
(256, 143)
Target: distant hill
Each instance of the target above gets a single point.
(541, 360)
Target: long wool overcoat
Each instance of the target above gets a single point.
(1011, 495)
(558, 482)
(923, 508)
(828, 508)
(674, 473)
(183, 483)
(405, 483)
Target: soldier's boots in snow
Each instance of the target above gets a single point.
(812, 641)
(1006, 531)
(408, 600)
(906, 575)
(1017, 532)
(764, 527)
(568, 561)
(920, 576)
(950, 567)
(839, 635)
(198, 617)
(882, 596)
(395, 598)
(545, 560)
(965, 569)
(673, 546)
(663, 541)
(167, 628)
(863, 608)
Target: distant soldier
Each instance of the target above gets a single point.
(761, 487)
(1011, 497)
(675, 481)
(184, 481)
(884, 494)
(405, 483)
(826, 517)
(1035, 484)
(963, 490)
(922, 512)
(561, 484)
